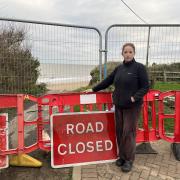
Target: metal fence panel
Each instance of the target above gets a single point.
(66, 54)
(155, 45)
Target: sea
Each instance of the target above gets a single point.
(64, 73)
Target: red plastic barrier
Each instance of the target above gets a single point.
(101, 101)
(68, 102)
(17, 101)
(4, 160)
(8, 101)
(175, 116)
(149, 106)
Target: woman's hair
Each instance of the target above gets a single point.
(128, 44)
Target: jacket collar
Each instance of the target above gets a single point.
(129, 62)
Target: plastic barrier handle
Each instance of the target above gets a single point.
(162, 116)
(162, 130)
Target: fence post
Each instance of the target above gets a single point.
(147, 54)
(164, 76)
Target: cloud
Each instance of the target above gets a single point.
(35, 4)
(98, 13)
(161, 11)
(32, 10)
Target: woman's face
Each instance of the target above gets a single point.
(128, 53)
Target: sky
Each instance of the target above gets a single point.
(98, 13)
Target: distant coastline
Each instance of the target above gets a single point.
(64, 76)
(55, 73)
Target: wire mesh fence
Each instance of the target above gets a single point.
(157, 47)
(37, 55)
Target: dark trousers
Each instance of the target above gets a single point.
(126, 123)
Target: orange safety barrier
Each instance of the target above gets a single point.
(175, 116)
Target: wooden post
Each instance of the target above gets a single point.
(164, 76)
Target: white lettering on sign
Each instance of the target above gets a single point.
(99, 126)
(61, 152)
(89, 128)
(81, 128)
(88, 99)
(99, 146)
(70, 128)
(90, 147)
(70, 150)
(81, 147)
(108, 145)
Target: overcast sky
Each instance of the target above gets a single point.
(98, 13)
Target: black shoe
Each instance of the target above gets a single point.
(127, 166)
(120, 162)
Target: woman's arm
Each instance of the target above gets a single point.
(105, 83)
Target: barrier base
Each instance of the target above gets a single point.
(24, 160)
(176, 150)
(145, 148)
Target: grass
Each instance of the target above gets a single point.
(168, 122)
(167, 86)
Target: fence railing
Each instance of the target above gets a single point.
(164, 76)
(156, 44)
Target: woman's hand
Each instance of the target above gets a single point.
(88, 90)
(132, 99)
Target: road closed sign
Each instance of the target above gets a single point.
(4, 160)
(82, 138)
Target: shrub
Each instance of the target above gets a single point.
(95, 73)
(18, 68)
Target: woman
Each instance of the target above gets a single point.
(131, 84)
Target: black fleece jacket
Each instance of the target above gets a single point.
(130, 79)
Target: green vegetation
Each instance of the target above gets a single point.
(167, 86)
(164, 72)
(95, 74)
(165, 67)
(18, 68)
(159, 85)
